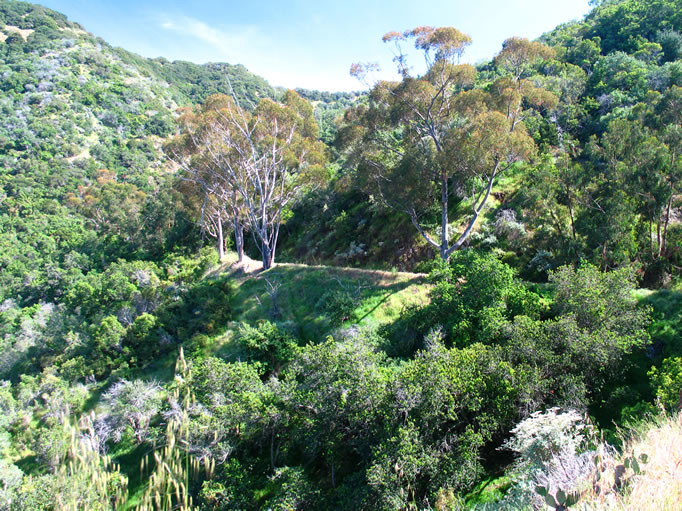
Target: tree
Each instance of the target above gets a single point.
(641, 157)
(132, 404)
(636, 162)
(552, 203)
(669, 120)
(254, 163)
(214, 201)
(113, 208)
(419, 139)
(213, 215)
(598, 323)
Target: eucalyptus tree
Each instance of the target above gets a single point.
(418, 140)
(254, 163)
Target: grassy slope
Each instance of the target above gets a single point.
(660, 486)
(379, 298)
(302, 296)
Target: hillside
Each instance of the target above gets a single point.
(361, 371)
(615, 69)
(317, 301)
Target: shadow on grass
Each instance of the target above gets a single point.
(29, 464)
(128, 455)
(297, 295)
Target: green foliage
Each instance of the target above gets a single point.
(473, 296)
(339, 305)
(109, 334)
(620, 25)
(598, 323)
(671, 44)
(268, 344)
(601, 300)
(205, 307)
(291, 489)
(667, 381)
(101, 278)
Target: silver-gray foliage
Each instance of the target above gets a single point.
(554, 452)
(131, 404)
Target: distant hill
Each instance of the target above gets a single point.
(80, 117)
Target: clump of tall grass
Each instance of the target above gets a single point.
(654, 486)
(172, 469)
(88, 479)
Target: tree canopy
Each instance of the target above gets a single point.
(418, 140)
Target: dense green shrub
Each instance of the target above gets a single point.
(267, 343)
(667, 381)
(473, 296)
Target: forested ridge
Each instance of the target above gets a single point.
(459, 290)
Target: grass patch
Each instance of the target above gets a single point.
(659, 486)
(128, 455)
(298, 295)
(490, 489)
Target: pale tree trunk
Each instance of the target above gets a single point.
(663, 250)
(651, 239)
(221, 240)
(478, 203)
(239, 239)
(267, 255)
(659, 240)
(444, 241)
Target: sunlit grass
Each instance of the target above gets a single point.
(300, 293)
(659, 485)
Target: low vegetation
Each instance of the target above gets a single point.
(489, 317)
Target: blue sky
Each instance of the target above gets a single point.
(305, 43)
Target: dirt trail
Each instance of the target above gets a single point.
(250, 267)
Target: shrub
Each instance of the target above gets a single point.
(132, 404)
(668, 382)
(554, 455)
(339, 305)
(267, 343)
(473, 296)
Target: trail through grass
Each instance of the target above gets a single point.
(299, 296)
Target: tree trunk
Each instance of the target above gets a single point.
(273, 452)
(477, 211)
(664, 248)
(444, 241)
(659, 239)
(570, 211)
(221, 241)
(267, 255)
(239, 239)
(651, 240)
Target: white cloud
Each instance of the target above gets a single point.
(233, 45)
(278, 60)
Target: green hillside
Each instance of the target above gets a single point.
(537, 364)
